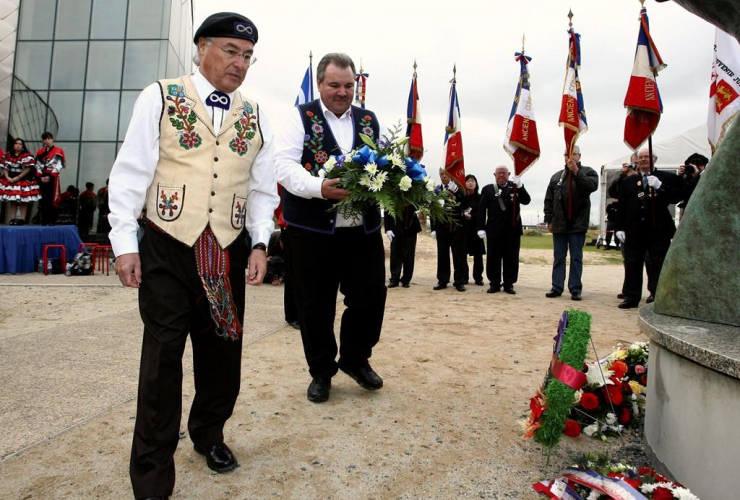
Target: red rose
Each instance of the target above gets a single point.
(619, 368)
(625, 416)
(633, 481)
(367, 118)
(643, 380)
(627, 389)
(572, 428)
(640, 369)
(662, 494)
(309, 114)
(589, 401)
(645, 471)
(614, 394)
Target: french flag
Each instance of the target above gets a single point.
(642, 101)
(572, 110)
(454, 162)
(306, 93)
(415, 146)
(522, 143)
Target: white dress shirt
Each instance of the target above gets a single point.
(137, 160)
(289, 151)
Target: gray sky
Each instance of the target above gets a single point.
(386, 36)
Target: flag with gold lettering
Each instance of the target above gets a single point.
(521, 142)
(572, 110)
(454, 163)
(724, 91)
(642, 101)
(415, 146)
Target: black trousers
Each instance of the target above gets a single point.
(289, 307)
(478, 267)
(403, 253)
(455, 242)
(503, 252)
(350, 262)
(173, 305)
(47, 210)
(648, 247)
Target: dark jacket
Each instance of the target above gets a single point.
(407, 224)
(496, 221)
(557, 200)
(641, 207)
(448, 228)
(473, 243)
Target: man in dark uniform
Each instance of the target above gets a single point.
(645, 224)
(402, 235)
(450, 236)
(50, 161)
(567, 213)
(499, 219)
(330, 251)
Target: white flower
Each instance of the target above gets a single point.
(371, 168)
(611, 418)
(383, 176)
(376, 184)
(329, 165)
(430, 183)
(684, 494)
(591, 430)
(577, 397)
(441, 202)
(365, 180)
(594, 495)
(397, 161)
(322, 174)
(405, 183)
(597, 374)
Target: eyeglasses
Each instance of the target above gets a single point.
(248, 59)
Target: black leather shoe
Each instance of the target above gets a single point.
(553, 293)
(405, 285)
(576, 296)
(364, 376)
(218, 457)
(460, 288)
(318, 390)
(392, 284)
(295, 324)
(650, 300)
(510, 290)
(493, 289)
(628, 304)
(621, 296)
(440, 286)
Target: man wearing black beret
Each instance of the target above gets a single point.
(198, 158)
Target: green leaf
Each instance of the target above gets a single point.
(192, 118)
(368, 140)
(177, 123)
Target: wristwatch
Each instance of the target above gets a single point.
(260, 246)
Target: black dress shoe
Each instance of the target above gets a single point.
(295, 324)
(392, 284)
(318, 390)
(621, 296)
(650, 300)
(576, 296)
(405, 285)
(479, 283)
(510, 290)
(218, 457)
(553, 293)
(628, 304)
(364, 376)
(440, 286)
(460, 288)
(493, 289)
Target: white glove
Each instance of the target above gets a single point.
(654, 182)
(482, 235)
(620, 236)
(452, 187)
(517, 180)
(434, 235)
(390, 235)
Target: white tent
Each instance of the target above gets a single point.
(671, 154)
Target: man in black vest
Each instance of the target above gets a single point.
(402, 235)
(646, 225)
(500, 220)
(327, 250)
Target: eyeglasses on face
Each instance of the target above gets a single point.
(248, 59)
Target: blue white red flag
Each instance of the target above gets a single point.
(724, 93)
(572, 110)
(415, 146)
(454, 163)
(642, 101)
(521, 141)
(361, 88)
(306, 93)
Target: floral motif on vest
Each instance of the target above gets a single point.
(366, 123)
(314, 142)
(182, 117)
(168, 203)
(246, 128)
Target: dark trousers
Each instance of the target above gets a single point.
(172, 305)
(478, 267)
(350, 262)
(403, 251)
(289, 307)
(47, 210)
(643, 247)
(454, 242)
(502, 249)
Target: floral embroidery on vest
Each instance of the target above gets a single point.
(315, 143)
(366, 124)
(246, 128)
(182, 117)
(239, 212)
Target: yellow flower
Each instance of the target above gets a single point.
(636, 387)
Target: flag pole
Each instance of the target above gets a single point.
(515, 195)
(570, 148)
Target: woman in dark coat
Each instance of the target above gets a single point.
(475, 245)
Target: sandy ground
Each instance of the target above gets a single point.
(459, 369)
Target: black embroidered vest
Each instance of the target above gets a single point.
(316, 214)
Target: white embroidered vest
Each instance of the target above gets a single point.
(201, 178)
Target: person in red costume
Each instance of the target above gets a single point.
(49, 161)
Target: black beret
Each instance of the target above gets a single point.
(227, 25)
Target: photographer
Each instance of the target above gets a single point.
(691, 172)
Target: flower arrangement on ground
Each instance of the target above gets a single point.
(382, 174)
(613, 397)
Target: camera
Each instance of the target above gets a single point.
(689, 170)
(633, 166)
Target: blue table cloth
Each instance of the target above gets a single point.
(21, 247)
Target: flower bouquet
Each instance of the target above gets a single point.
(382, 174)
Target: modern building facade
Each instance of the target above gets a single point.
(76, 67)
